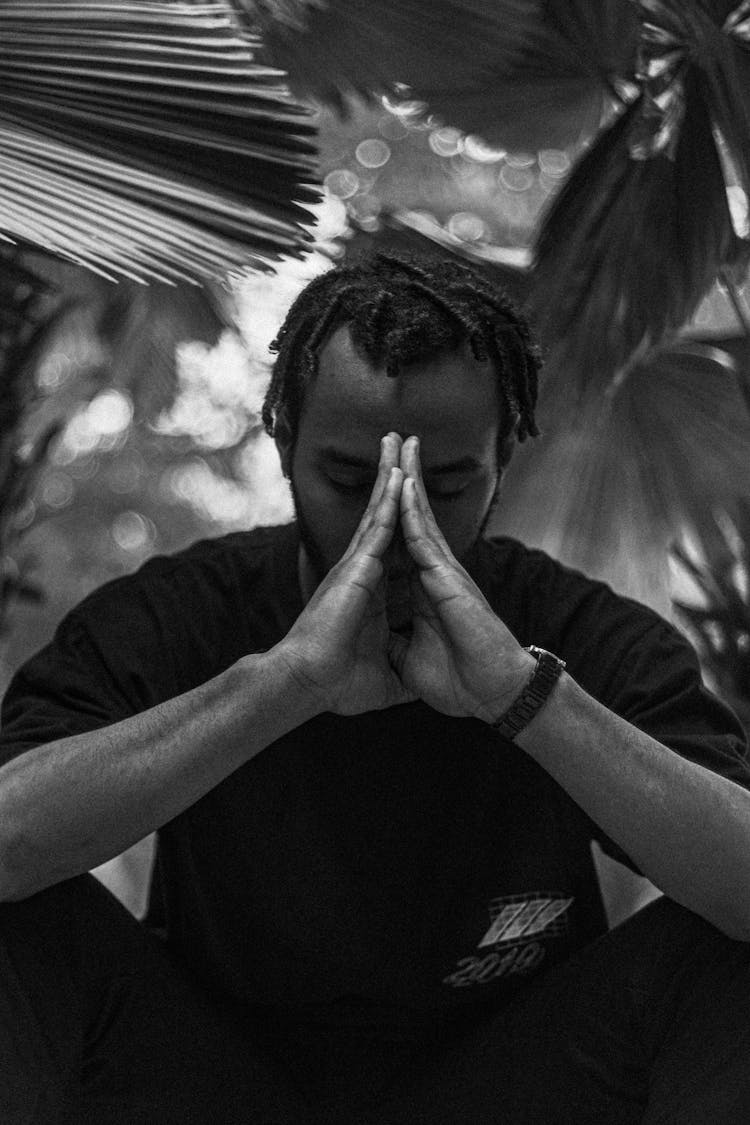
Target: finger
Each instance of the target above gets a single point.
(423, 607)
(376, 534)
(390, 450)
(411, 463)
(390, 453)
(356, 583)
(421, 542)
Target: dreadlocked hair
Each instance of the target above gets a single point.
(401, 310)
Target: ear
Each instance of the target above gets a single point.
(284, 438)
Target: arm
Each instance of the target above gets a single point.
(686, 827)
(73, 803)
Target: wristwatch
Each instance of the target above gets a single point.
(533, 696)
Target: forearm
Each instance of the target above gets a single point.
(68, 806)
(687, 828)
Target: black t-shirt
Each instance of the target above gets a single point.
(402, 859)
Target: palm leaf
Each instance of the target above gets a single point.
(148, 140)
(720, 626)
(30, 310)
(523, 73)
(615, 479)
(630, 246)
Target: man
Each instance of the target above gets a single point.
(374, 797)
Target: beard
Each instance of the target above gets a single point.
(314, 554)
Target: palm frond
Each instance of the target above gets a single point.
(614, 479)
(628, 248)
(642, 228)
(29, 311)
(523, 73)
(148, 140)
(720, 626)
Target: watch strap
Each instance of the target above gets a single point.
(533, 696)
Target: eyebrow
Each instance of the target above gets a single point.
(351, 461)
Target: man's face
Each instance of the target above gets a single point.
(450, 402)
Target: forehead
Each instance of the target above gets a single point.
(450, 401)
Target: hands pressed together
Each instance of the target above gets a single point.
(459, 657)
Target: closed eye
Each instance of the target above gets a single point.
(438, 489)
(351, 487)
(443, 494)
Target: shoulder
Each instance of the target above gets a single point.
(169, 626)
(193, 597)
(600, 633)
(549, 589)
(204, 566)
(621, 652)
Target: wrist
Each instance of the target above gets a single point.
(273, 693)
(533, 696)
(516, 674)
(293, 687)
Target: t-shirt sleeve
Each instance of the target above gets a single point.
(643, 669)
(117, 653)
(67, 688)
(624, 655)
(142, 639)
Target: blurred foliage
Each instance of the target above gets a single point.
(149, 140)
(715, 569)
(117, 437)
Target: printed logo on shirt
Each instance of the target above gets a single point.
(517, 918)
(520, 928)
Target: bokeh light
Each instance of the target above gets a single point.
(478, 151)
(516, 179)
(259, 495)
(342, 183)
(110, 412)
(409, 109)
(133, 533)
(101, 425)
(57, 491)
(217, 400)
(467, 227)
(554, 162)
(446, 141)
(738, 208)
(373, 153)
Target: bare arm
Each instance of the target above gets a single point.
(71, 804)
(687, 828)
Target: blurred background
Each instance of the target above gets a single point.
(130, 413)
